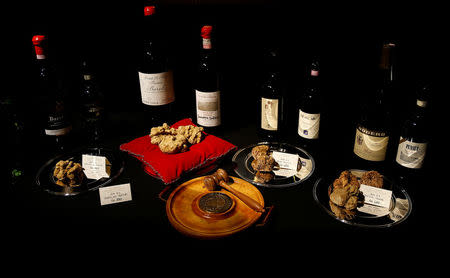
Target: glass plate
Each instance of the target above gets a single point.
(365, 215)
(47, 182)
(243, 158)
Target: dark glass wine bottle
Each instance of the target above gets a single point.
(271, 99)
(155, 76)
(207, 91)
(413, 142)
(372, 133)
(92, 105)
(388, 77)
(309, 109)
(57, 125)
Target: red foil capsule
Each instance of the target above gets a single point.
(206, 31)
(37, 42)
(149, 10)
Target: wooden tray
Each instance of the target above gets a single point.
(186, 215)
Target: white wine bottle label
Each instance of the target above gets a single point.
(156, 88)
(269, 114)
(308, 125)
(370, 145)
(58, 132)
(411, 154)
(208, 108)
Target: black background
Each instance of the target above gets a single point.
(347, 36)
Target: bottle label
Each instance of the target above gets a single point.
(58, 132)
(156, 88)
(57, 123)
(411, 154)
(208, 108)
(269, 114)
(206, 43)
(421, 103)
(92, 113)
(308, 125)
(370, 145)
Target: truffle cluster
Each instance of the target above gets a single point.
(171, 140)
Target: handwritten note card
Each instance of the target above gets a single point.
(286, 160)
(288, 163)
(376, 196)
(115, 194)
(95, 167)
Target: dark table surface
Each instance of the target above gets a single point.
(36, 217)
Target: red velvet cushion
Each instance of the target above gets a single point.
(170, 167)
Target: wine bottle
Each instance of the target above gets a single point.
(155, 77)
(92, 104)
(207, 91)
(271, 99)
(372, 133)
(413, 141)
(309, 108)
(57, 125)
(388, 71)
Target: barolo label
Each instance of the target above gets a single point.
(411, 154)
(308, 125)
(156, 88)
(370, 145)
(208, 108)
(57, 125)
(269, 114)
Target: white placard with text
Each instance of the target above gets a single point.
(95, 167)
(376, 196)
(115, 194)
(286, 160)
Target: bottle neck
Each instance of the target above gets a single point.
(421, 107)
(40, 53)
(151, 31)
(274, 74)
(206, 43)
(421, 103)
(387, 63)
(87, 77)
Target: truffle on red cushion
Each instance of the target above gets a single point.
(170, 167)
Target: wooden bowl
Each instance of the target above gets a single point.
(187, 215)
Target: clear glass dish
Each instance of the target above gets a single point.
(46, 180)
(365, 215)
(243, 158)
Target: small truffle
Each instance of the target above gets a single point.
(263, 177)
(68, 173)
(372, 178)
